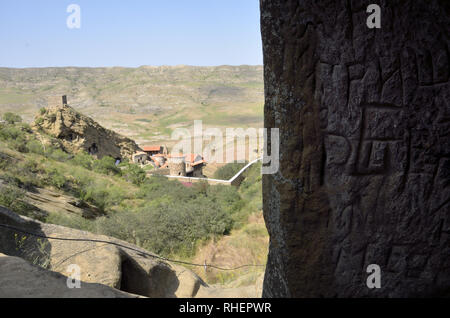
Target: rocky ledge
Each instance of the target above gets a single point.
(35, 266)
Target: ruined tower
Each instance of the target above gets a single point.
(57, 101)
(177, 166)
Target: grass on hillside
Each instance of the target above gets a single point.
(247, 243)
(160, 215)
(245, 246)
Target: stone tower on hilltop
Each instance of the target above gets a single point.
(77, 132)
(56, 101)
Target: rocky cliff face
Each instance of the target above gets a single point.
(365, 152)
(77, 132)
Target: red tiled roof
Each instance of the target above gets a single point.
(151, 148)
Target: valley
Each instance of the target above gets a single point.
(49, 177)
(144, 103)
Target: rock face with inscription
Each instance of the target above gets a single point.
(364, 123)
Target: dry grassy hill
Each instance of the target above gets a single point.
(143, 103)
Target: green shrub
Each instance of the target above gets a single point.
(58, 155)
(172, 218)
(157, 213)
(11, 118)
(96, 191)
(148, 167)
(133, 173)
(106, 165)
(157, 187)
(23, 174)
(115, 195)
(228, 171)
(227, 197)
(83, 159)
(18, 144)
(15, 136)
(11, 132)
(253, 176)
(72, 221)
(97, 196)
(168, 228)
(35, 146)
(12, 197)
(55, 178)
(251, 194)
(26, 128)
(31, 166)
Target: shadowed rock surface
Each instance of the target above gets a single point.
(20, 279)
(126, 267)
(129, 270)
(364, 155)
(50, 201)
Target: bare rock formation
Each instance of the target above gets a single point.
(123, 266)
(365, 151)
(20, 279)
(49, 201)
(77, 132)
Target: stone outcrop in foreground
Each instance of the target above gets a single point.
(365, 152)
(20, 279)
(77, 132)
(128, 270)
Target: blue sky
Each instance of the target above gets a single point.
(130, 33)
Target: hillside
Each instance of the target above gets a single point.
(143, 103)
(203, 222)
(79, 191)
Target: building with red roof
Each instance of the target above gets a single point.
(153, 150)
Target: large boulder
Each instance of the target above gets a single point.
(19, 279)
(49, 201)
(117, 264)
(364, 148)
(76, 132)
